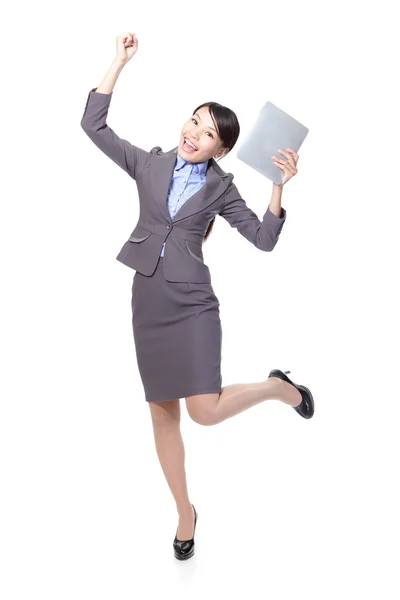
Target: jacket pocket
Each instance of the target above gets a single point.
(192, 253)
(133, 238)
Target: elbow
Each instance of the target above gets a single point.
(266, 244)
(267, 240)
(84, 124)
(87, 123)
(268, 248)
(93, 129)
(89, 129)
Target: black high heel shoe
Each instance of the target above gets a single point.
(306, 407)
(184, 549)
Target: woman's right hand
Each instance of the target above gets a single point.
(127, 45)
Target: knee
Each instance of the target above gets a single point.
(202, 408)
(201, 416)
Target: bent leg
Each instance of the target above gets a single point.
(210, 409)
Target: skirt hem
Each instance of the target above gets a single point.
(219, 391)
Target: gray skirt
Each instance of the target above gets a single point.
(178, 336)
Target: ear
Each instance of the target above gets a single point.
(222, 153)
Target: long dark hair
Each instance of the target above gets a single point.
(227, 125)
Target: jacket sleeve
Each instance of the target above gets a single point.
(94, 123)
(263, 234)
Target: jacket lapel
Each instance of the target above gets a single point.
(161, 172)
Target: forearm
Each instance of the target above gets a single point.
(263, 234)
(276, 199)
(110, 78)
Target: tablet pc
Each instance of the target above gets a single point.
(273, 129)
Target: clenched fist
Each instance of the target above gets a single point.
(127, 45)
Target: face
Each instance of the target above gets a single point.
(200, 130)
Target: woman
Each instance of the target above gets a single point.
(175, 312)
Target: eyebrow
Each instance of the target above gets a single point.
(208, 126)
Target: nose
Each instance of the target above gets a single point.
(194, 134)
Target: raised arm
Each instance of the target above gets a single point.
(263, 234)
(130, 158)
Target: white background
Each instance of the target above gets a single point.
(288, 508)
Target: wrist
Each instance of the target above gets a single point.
(118, 62)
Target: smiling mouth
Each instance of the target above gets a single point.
(185, 141)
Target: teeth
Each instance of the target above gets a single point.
(187, 141)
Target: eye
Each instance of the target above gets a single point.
(207, 131)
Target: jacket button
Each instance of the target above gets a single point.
(169, 226)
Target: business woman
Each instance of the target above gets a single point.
(175, 312)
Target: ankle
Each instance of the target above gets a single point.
(184, 509)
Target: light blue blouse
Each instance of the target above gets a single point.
(187, 179)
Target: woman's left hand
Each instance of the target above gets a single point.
(288, 166)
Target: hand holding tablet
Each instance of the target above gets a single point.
(288, 166)
(274, 134)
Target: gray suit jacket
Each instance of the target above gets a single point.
(184, 234)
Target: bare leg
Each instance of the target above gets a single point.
(171, 454)
(210, 409)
